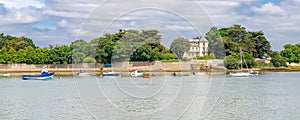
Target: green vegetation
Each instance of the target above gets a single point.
(145, 45)
(179, 46)
(278, 60)
(233, 61)
(291, 53)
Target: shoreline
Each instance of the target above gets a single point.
(94, 71)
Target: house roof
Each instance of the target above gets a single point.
(202, 39)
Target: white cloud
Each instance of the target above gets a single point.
(23, 15)
(268, 8)
(68, 16)
(22, 4)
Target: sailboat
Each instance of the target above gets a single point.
(241, 73)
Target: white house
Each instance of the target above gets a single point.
(199, 47)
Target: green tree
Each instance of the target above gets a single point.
(277, 60)
(3, 55)
(291, 53)
(104, 49)
(60, 55)
(11, 56)
(215, 44)
(121, 52)
(89, 59)
(236, 37)
(21, 56)
(82, 49)
(179, 46)
(145, 53)
(231, 62)
(261, 44)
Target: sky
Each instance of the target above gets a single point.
(60, 22)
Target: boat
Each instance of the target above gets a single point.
(5, 75)
(43, 76)
(199, 73)
(241, 73)
(136, 73)
(84, 74)
(146, 76)
(253, 72)
(180, 74)
(111, 74)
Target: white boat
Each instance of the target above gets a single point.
(85, 74)
(111, 74)
(5, 75)
(137, 74)
(199, 73)
(241, 73)
(180, 74)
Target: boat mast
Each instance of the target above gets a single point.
(241, 59)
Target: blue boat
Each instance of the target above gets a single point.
(43, 76)
(111, 74)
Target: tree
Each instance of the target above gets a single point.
(89, 59)
(104, 49)
(215, 44)
(233, 61)
(60, 55)
(179, 46)
(277, 60)
(121, 52)
(236, 37)
(82, 49)
(145, 53)
(261, 44)
(291, 53)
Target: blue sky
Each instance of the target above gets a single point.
(59, 22)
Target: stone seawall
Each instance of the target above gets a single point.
(124, 67)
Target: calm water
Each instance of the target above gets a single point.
(269, 96)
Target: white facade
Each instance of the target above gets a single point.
(199, 47)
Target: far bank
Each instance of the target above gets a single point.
(156, 68)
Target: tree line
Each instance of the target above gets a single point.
(145, 45)
(253, 44)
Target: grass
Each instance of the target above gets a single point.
(170, 60)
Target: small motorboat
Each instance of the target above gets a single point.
(137, 74)
(146, 76)
(180, 74)
(5, 75)
(111, 74)
(253, 72)
(240, 74)
(84, 74)
(43, 76)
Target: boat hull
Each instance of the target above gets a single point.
(137, 74)
(38, 77)
(111, 74)
(240, 75)
(84, 74)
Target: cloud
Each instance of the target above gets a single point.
(17, 4)
(268, 8)
(67, 14)
(60, 21)
(22, 15)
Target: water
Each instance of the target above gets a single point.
(268, 96)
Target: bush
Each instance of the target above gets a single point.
(89, 60)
